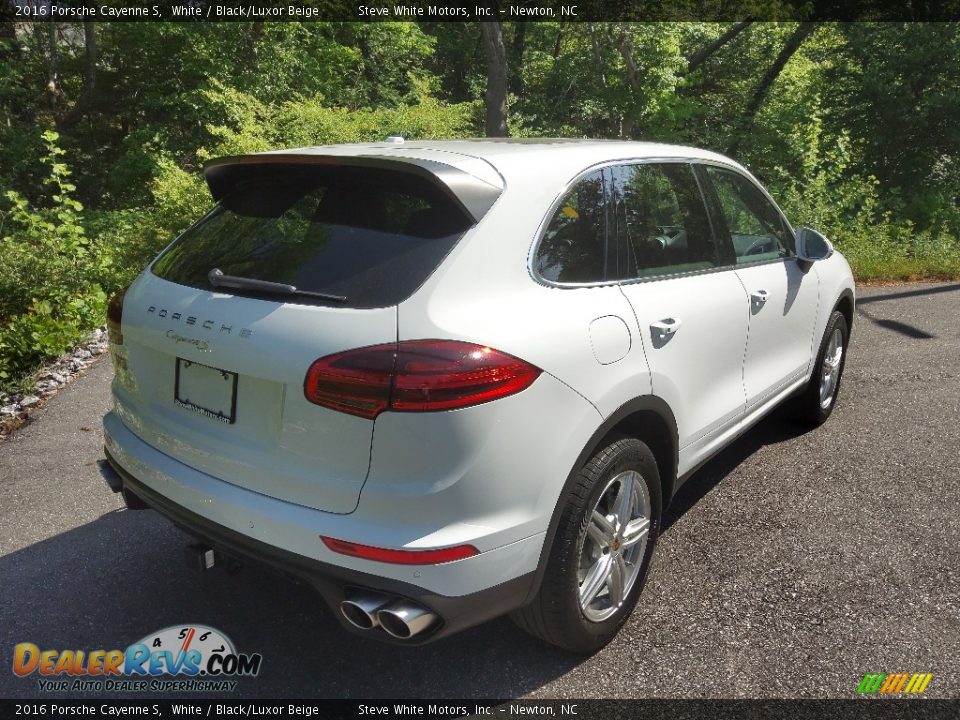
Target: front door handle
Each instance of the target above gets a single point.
(759, 297)
(665, 328)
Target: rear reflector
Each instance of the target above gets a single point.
(400, 557)
(415, 376)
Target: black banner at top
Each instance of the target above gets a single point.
(476, 10)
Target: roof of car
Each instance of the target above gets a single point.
(566, 156)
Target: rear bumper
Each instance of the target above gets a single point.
(150, 479)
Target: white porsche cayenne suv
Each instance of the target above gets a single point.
(444, 381)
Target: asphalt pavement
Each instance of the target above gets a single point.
(792, 564)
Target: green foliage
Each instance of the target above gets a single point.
(50, 273)
(847, 209)
(301, 123)
(856, 135)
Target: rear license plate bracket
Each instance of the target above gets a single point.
(206, 390)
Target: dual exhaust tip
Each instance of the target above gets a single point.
(397, 617)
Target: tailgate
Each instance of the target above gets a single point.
(216, 381)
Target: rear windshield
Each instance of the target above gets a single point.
(369, 236)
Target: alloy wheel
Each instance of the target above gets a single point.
(613, 546)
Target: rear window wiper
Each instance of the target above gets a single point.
(219, 280)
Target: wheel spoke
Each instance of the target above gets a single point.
(833, 359)
(623, 504)
(635, 531)
(595, 580)
(616, 580)
(600, 530)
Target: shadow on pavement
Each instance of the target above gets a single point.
(109, 583)
(907, 293)
(897, 325)
(775, 428)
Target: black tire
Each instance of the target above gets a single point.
(808, 406)
(555, 615)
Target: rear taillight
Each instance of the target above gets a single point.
(114, 316)
(415, 376)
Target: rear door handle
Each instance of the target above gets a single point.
(666, 327)
(759, 297)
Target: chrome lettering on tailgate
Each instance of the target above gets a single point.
(201, 345)
(196, 322)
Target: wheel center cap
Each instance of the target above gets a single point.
(615, 545)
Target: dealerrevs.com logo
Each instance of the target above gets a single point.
(178, 658)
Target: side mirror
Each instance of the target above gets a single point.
(812, 246)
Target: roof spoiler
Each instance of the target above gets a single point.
(473, 195)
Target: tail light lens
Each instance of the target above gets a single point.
(415, 376)
(114, 316)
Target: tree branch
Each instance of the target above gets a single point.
(704, 53)
(793, 44)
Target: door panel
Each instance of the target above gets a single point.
(696, 369)
(783, 296)
(691, 314)
(781, 326)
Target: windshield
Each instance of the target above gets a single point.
(369, 236)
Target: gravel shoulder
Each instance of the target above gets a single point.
(793, 563)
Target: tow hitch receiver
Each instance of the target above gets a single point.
(201, 557)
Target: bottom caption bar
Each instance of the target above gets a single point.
(573, 709)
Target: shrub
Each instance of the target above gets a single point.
(50, 291)
(846, 208)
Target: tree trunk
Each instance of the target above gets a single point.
(558, 42)
(701, 56)
(8, 31)
(53, 74)
(253, 49)
(623, 44)
(519, 46)
(597, 57)
(9, 53)
(495, 100)
(793, 44)
(82, 106)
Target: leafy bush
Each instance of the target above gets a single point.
(846, 208)
(254, 126)
(50, 288)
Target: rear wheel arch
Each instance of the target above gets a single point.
(659, 432)
(647, 418)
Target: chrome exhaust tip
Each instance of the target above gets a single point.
(403, 619)
(360, 610)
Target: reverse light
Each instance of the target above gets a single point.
(400, 557)
(415, 376)
(114, 316)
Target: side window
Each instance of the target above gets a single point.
(574, 247)
(756, 229)
(660, 219)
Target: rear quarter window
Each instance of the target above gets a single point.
(574, 248)
(371, 236)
